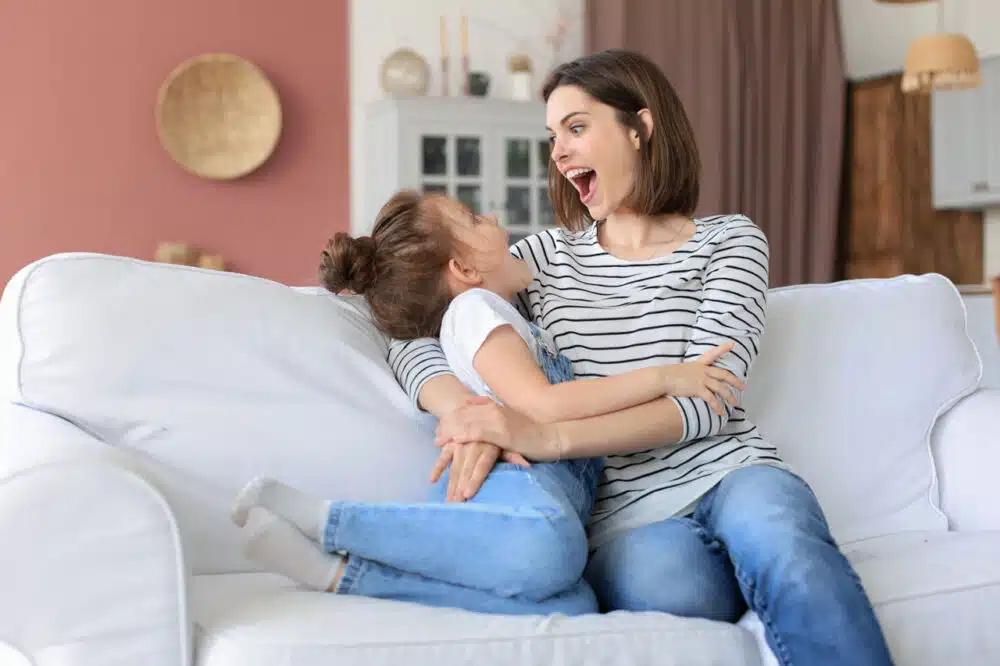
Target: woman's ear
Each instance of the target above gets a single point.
(647, 121)
(462, 276)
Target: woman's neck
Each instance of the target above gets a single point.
(640, 234)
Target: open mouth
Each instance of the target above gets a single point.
(585, 182)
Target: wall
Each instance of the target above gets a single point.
(877, 35)
(496, 29)
(82, 168)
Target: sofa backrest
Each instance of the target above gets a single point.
(850, 380)
(206, 378)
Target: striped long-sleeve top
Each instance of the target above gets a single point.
(609, 315)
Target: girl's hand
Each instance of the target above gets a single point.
(701, 379)
(481, 419)
(470, 465)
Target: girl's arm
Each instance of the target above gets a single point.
(508, 367)
(525, 387)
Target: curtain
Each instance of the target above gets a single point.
(764, 84)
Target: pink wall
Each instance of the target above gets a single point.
(81, 168)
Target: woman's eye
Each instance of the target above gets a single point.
(576, 129)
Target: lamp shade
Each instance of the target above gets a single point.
(940, 62)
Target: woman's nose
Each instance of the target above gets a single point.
(558, 150)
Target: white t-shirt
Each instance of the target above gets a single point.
(467, 322)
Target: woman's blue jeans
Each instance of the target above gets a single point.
(758, 539)
(517, 547)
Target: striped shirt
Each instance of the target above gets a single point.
(609, 315)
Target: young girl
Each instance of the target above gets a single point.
(433, 268)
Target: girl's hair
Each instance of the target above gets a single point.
(399, 268)
(668, 174)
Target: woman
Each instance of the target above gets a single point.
(696, 514)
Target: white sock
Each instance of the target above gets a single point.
(307, 513)
(279, 547)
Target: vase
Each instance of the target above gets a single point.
(520, 86)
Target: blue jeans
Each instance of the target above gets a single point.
(517, 547)
(758, 539)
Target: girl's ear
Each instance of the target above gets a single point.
(463, 276)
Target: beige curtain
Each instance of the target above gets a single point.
(764, 84)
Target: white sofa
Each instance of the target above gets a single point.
(137, 397)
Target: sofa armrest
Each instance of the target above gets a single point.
(30, 437)
(966, 447)
(91, 568)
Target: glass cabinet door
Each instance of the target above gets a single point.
(524, 197)
(453, 164)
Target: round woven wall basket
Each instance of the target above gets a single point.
(218, 116)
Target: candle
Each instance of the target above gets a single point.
(465, 36)
(444, 58)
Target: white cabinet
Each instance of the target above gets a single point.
(491, 154)
(965, 145)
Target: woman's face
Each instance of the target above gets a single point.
(592, 149)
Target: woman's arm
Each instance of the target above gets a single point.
(733, 308)
(651, 425)
(508, 367)
(418, 365)
(443, 394)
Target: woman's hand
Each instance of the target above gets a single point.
(470, 465)
(701, 379)
(481, 419)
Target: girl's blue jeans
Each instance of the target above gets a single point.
(758, 539)
(517, 547)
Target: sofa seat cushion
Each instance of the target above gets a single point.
(254, 618)
(936, 594)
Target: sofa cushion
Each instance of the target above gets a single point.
(251, 619)
(850, 379)
(936, 594)
(206, 378)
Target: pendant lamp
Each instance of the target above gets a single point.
(939, 62)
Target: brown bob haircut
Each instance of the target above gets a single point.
(668, 174)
